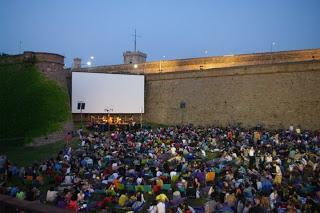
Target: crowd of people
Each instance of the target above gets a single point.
(177, 169)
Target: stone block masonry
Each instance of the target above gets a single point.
(50, 64)
(275, 95)
(193, 64)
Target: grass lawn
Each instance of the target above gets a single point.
(24, 156)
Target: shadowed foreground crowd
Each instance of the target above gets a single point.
(177, 169)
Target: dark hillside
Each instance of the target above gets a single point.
(30, 104)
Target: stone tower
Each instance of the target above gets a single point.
(76, 63)
(134, 57)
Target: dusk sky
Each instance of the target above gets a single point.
(171, 28)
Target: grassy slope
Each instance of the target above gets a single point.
(25, 156)
(31, 105)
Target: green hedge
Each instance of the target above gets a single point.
(30, 104)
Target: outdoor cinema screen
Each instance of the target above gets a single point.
(107, 93)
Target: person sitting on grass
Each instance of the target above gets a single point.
(123, 200)
(139, 201)
(51, 195)
(73, 204)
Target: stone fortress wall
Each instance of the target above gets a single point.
(194, 64)
(274, 95)
(273, 89)
(50, 64)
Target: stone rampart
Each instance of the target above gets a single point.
(209, 62)
(275, 95)
(50, 64)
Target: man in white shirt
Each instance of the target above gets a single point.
(173, 150)
(268, 158)
(139, 180)
(68, 179)
(161, 207)
(251, 152)
(273, 198)
(291, 128)
(172, 174)
(51, 195)
(251, 156)
(153, 209)
(159, 173)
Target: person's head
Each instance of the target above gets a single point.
(265, 202)
(248, 204)
(74, 197)
(257, 200)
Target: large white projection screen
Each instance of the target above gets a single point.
(107, 93)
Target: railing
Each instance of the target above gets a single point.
(12, 205)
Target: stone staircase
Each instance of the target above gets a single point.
(53, 137)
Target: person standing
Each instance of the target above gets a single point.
(153, 208)
(258, 208)
(161, 207)
(68, 138)
(251, 157)
(196, 186)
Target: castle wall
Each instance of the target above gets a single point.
(54, 72)
(50, 64)
(276, 95)
(205, 63)
(274, 89)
